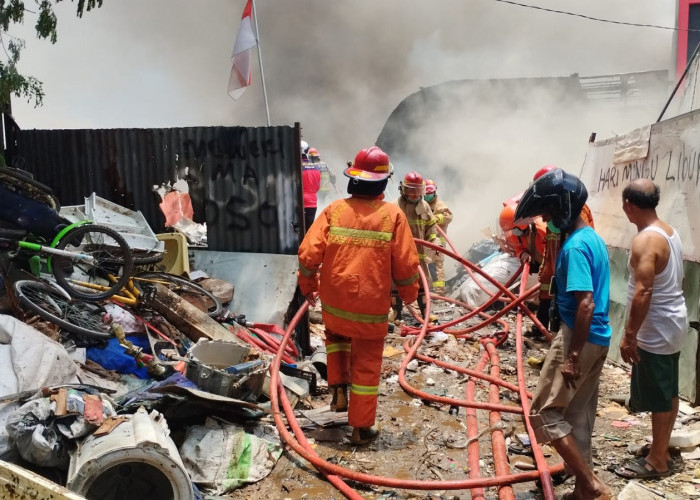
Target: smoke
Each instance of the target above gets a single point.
(341, 68)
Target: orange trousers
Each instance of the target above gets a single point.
(358, 363)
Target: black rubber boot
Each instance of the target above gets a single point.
(339, 401)
(364, 435)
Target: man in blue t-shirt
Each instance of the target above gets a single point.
(564, 405)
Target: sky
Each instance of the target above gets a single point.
(339, 68)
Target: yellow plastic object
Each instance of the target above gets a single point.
(175, 259)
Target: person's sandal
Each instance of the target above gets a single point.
(363, 435)
(641, 469)
(339, 402)
(676, 463)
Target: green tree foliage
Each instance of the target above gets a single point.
(13, 12)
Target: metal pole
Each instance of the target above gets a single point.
(680, 80)
(262, 73)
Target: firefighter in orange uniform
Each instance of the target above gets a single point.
(528, 242)
(354, 250)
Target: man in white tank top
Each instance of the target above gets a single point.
(656, 325)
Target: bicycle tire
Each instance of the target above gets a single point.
(25, 184)
(106, 246)
(74, 316)
(186, 286)
(144, 258)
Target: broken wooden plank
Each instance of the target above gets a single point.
(192, 322)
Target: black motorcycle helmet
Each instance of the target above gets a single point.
(557, 194)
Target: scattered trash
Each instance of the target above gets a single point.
(137, 454)
(217, 367)
(684, 438)
(635, 490)
(391, 351)
(42, 428)
(620, 424)
(221, 457)
(535, 362)
(130, 224)
(19, 483)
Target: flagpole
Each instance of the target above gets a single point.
(262, 73)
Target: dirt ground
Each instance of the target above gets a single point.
(428, 441)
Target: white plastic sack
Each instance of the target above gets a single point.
(501, 268)
(37, 361)
(28, 360)
(223, 457)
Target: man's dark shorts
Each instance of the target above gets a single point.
(654, 382)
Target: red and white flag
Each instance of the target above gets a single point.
(242, 71)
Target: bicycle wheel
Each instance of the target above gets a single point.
(145, 258)
(111, 266)
(188, 290)
(74, 316)
(23, 183)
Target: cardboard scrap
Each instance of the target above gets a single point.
(109, 425)
(390, 352)
(61, 400)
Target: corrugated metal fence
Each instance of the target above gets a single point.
(244, 182)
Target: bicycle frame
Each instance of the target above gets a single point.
(52, 250)
(131, 294)
(35, 247)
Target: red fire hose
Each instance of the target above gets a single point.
(334, 473)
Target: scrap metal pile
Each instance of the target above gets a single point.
(106, 355)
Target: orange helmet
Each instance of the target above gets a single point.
(412, 187)
(430, 186)
(542, 171)
(370, 164)
(507, 217)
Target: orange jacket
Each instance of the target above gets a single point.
(531, 242)
(359, 245)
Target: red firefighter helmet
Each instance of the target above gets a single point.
(412, 187)
(371, 164)
(430, 186)
(507, 217)
(542, 171)
(313, 152)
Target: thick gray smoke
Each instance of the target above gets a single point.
(341, 68)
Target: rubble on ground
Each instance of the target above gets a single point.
(183, 398)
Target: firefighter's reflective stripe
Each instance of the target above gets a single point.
(362, 234)
(363, 245)
(306, 272)
(358, 317)
(338, 347)
(421, 255)
(439, 283)
(421, 222)
(407, 281)
(364, 390)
